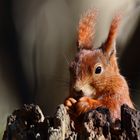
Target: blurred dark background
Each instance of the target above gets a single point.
(37, 36)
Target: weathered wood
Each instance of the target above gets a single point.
(29, 123)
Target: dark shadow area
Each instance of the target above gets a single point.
(130, 63)
(9, 49)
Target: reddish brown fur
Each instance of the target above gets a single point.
(113, 32)
(86, 29)
(89, 89)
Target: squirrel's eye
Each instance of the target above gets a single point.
(98, 70)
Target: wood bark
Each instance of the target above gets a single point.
(29, 123)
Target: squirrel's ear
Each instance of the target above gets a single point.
(109, 46)
(86, 30)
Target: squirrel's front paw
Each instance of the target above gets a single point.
(84, 104)
(69, 103)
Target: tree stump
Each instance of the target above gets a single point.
(29, 123)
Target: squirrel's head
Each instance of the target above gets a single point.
(93, 68)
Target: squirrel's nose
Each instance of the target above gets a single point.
(85, 90)
(78, 91)
(77, 88)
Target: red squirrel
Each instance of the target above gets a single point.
(95, 79)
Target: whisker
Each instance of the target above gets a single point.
(63, 81)
(67, 59)
(135, 90)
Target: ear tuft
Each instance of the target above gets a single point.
(111, 40)
(86, 31)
